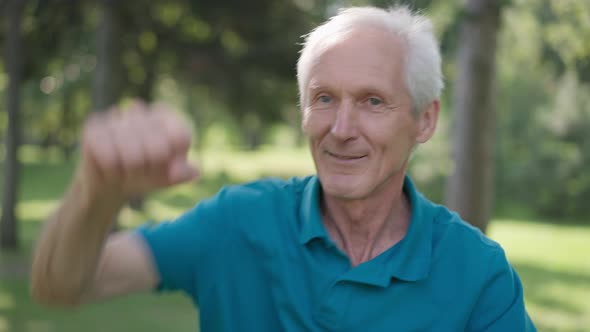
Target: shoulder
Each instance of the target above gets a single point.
(449, 224)
(464, 249)
(234, 203)
(460, 247)
(258, 204)
(452, 237)
(223, 221)
(252, 195)
(455, 245)
(466, 259)
(268, 185)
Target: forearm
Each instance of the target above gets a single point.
(69, 249)
(122, 154)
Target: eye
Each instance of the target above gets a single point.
(374, 101)
(324, 99)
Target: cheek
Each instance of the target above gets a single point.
(315, 124)
(306, 123)
(392, 134)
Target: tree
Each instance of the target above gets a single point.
(14, 65)
(470, 189)
(106, 82)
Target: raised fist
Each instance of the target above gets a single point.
(135, 151)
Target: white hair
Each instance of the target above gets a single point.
(422, 60)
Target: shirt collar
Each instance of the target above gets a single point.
(408, 260)
(310, 212)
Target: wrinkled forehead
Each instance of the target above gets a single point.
(367, 54)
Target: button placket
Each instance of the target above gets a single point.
(333, 307)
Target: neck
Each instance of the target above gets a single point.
(365, 228)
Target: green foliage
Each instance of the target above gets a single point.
(244, 51)
(542, 151)
(563, 24)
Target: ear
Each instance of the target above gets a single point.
(427, 121)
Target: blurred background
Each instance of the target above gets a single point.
(511, 153)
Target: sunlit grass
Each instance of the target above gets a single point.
(35, 209)
(561, 247)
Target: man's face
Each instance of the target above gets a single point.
(358, 115)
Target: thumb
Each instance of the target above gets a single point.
(180, 171)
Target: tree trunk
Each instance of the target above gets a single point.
(66, 142)
(14, 66)
(469, 189)
(106, 90)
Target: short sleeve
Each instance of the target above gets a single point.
(500, 306)
(179, 248)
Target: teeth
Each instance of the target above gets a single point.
(342, 157)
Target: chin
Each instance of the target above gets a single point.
(343, 186)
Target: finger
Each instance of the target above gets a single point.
(157, 149)
(97, 147)
(137, 123)
(180, 171)
(138, 105)
(175, 127)
(127, 144)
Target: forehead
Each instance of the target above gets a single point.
(364, 57)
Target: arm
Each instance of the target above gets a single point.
(76, 260)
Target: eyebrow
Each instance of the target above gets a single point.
(367, 90)
(315, 86)
(361, 91)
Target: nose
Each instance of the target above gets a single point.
(345, 124)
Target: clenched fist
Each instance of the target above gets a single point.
(132, 152)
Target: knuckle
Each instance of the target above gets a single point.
(91, 128)
(158, 154)
(108, 164)
(133, 161)
(181, 138)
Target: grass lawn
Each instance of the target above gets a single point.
(135, 313)
(552, 260)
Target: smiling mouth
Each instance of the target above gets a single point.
(344, 157)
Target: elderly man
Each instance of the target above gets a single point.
(355, 248)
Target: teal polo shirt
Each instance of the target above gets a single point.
(256, 257)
